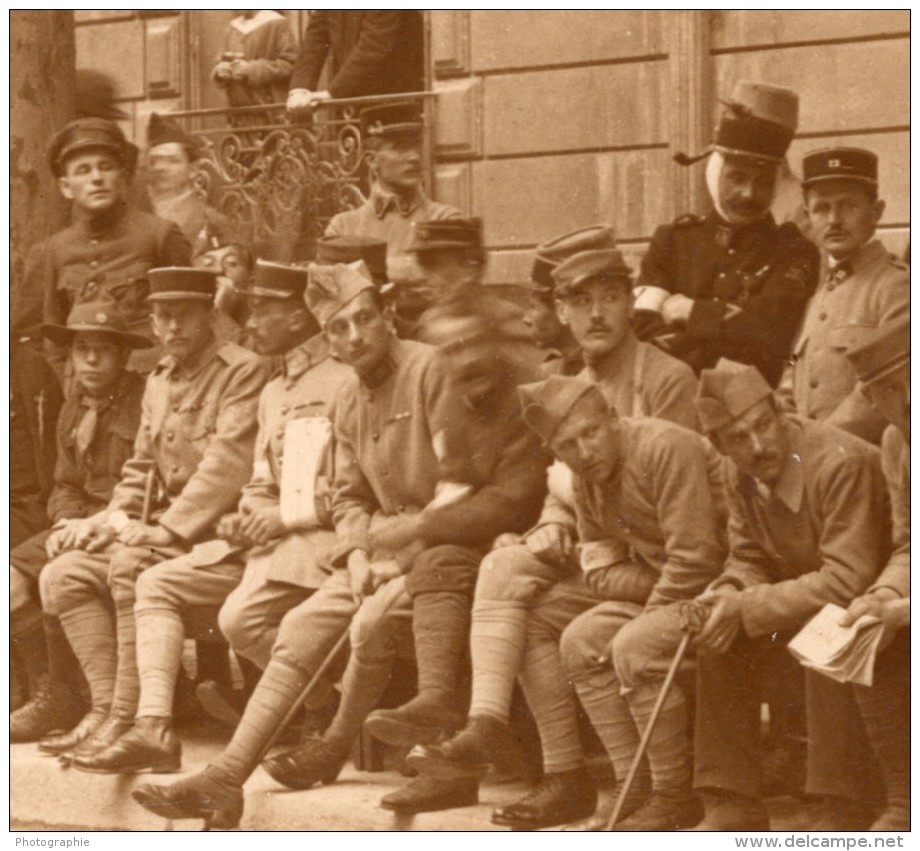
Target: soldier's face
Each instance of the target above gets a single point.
(360, 333)
(228, 262)
(183, 327)
(540, 317)
(446, 270)
(275, 325)
(588, 440)
(397, 163)
(842, 215)
(97, 360)
(756, 442)
(598, 314)
(94, 181)
(169, 167)
(890, 396)
(746, 188)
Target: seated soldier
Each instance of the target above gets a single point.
(276, 533)
(733, 283)
(192, 455)
(881, 360)
(641, 486)
(95, 436)
(809, 524)
(398, 405)
(594, 299)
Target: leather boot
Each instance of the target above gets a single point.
(109, 732)
(303, 767)
(428, 795)
(468, 754)
(638, 794)
(664, 811)
(727, 811)
(47, 710)
(59, 743)
(441, 628)
(208, 795)
(559, 798)
(148, 746)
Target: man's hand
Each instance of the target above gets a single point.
(239, 69)
(552, 543)
(724, 620)
(383, 571)
(359, 572)
(507, 539)
(394, 533)
(886, 605)
(137, 534)
(223, 72)
(228, 529)
(64, 538)
(676, 309)
(262, 525)
(92, 534)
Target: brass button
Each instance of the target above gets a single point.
(170, 436)
(813, 384)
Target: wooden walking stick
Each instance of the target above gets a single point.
(692, 618)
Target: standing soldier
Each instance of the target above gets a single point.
(732, 284)
(95, 435)
(809, 524)
(110, 247)
(198, 424)
(862, 286)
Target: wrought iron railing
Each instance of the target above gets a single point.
(280, 183)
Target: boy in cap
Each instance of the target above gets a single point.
(95, 435)
(809, 524)
(881, 360)
(171, 154)
(396, 406)
(861, 285)
(110, 247)
(393, 141)
(192, 455)
(279, 531)
(732, 283)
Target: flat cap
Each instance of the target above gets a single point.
(758, 120)
(546, 404)
(331, 287)
(598, 265)
(349, 249)
(162, 130)
(728, 391)
(403, 118)
(553, 252)
(90, 134)
(276, 280)
(446, 234)
(182, 283)
(101, 317)
(840, 164)
(877, 352)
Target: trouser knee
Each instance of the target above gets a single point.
(509, 574)
(124, 569)
(235, 623)
(580, 649)
(22, 590)
(71, 579)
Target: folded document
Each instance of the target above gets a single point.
(846, 654)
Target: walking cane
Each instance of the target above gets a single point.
(149, 485)
(692, 617)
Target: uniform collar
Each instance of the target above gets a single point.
(96, 225)
(190, 369)
(383, 201)
(867, 253)
(615, 362)
(247, 25)
(305, 356)
(729, 235)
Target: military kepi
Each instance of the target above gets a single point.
(728, 391)
(99, 317)
(181, 283)
(604, 265)
(840, 164)
(402, 118)
(446, 234)
(86, 134)
(758, 120)
(879, 352)
(546, 404)
(276, 280)
(554, 251)
(330, 288)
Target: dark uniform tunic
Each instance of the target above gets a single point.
(749, 284)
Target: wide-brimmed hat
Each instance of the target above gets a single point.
(98, 317)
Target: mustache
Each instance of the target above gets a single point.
(598, 325)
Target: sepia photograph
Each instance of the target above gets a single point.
(460, 420)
